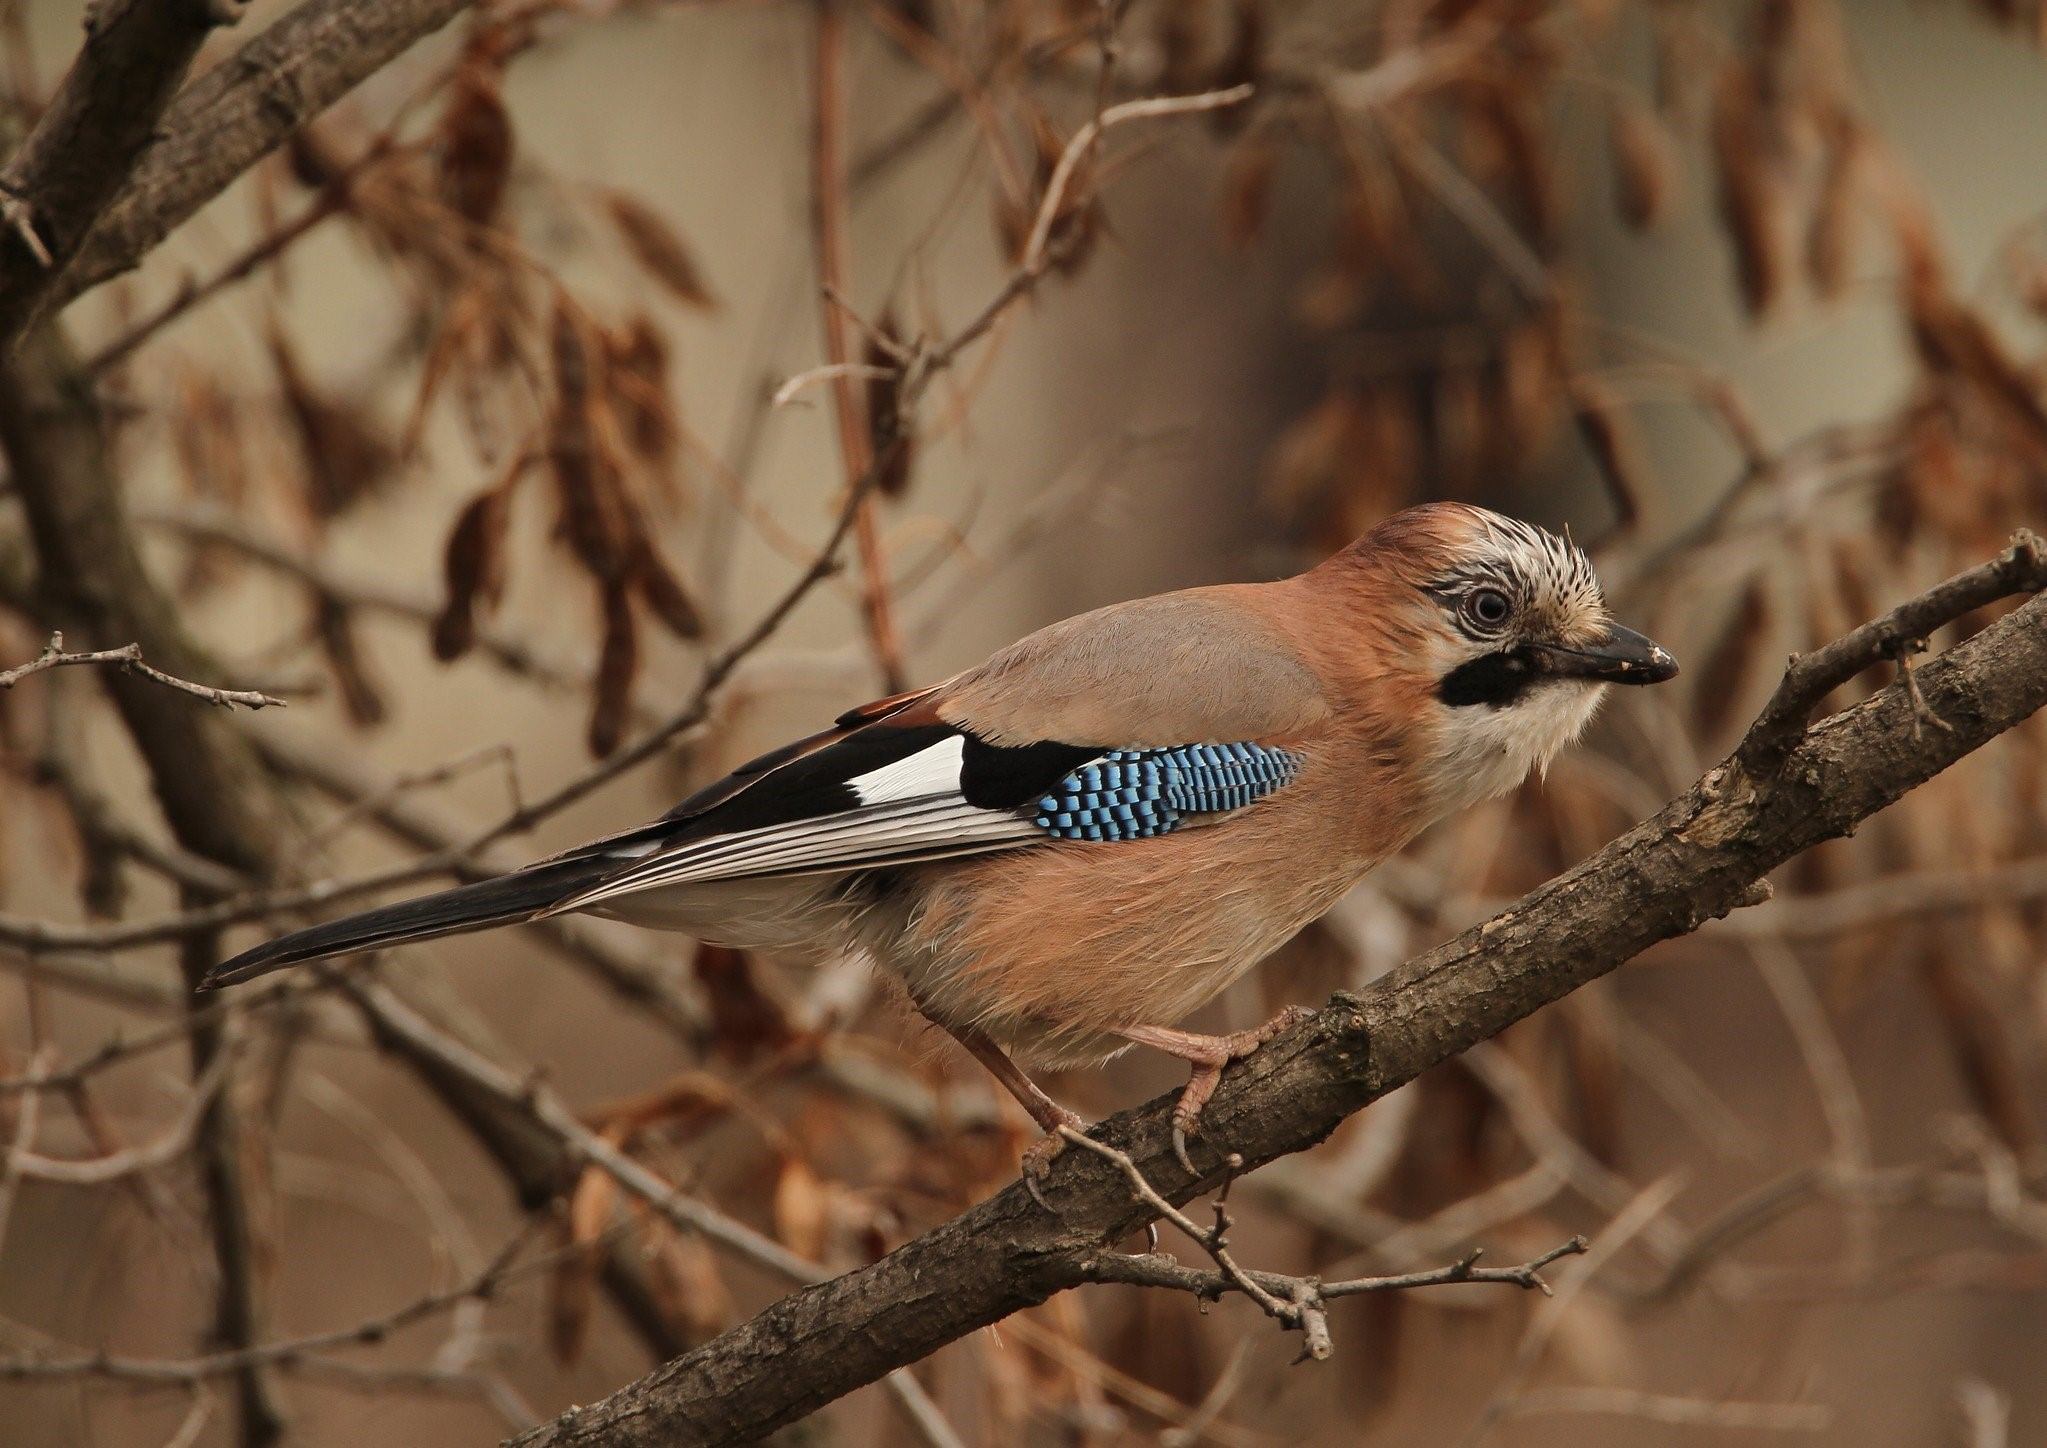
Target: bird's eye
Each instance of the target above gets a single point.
(1487, 607)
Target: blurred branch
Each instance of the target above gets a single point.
(90, 579)
(85, 144)
(1703, 855)
(856, 444)
(541, 1114)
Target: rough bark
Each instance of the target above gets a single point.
(1703, 855)
(85, 145)
(242, 109)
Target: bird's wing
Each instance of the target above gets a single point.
(960, 768)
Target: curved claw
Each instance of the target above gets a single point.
(1180, 1149)
(1038, 1160)
(1037, 1193)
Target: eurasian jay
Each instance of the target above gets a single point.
(1068, 849)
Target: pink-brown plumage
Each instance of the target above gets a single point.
(1291, 736)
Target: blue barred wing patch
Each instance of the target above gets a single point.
(1132, 794)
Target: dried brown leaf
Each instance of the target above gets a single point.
(1531, 386)
(1753, 199)
(1608, 430)
(1956, 345)
(637, 371)
(360, 696)
(1729, 665)
(895, 446)
(663, 591)
(618, 665)
(345, 455)
(802, 1209)
(475, 141)
(1513, 115)
(1646, 169)
(688, 1284)
(474, 567)
(572, 1287)
(595, 518)
(1830, 237)
(745, 1020)
(658, 248)
(1247, 189)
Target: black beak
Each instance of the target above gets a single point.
(1622, 657)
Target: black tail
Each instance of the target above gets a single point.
(467, 907)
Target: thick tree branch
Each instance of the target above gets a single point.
(84, 147)
(241, 110)
(1704, 854)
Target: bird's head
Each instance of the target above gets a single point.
(1505, 640)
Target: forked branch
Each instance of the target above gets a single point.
(1698, 858)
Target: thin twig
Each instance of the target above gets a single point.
(129, 658)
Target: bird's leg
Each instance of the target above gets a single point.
(1207, 1055)
(1049, 1114)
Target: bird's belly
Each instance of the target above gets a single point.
(1049, 951)
(796, 917)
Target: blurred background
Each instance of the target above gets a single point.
(485, 425)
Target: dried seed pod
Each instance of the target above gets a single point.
(895, 447)
(663, 591)
(618, 665)
(1605, 425)
(801, 1208)
(1077, 223)
(657, 247)
(1247, 189)
(474, 566)
(637, 370)
(475, 139)
(687, 1283)
(745, 1020)
(1830, 236)
(1531, 384)
(1730, 661)
(572, 1285)
(345, 457)
(1956, 345)
(586, 475)
(360, 696)
(312, 160)
(1646, 169)
(1302, 466)
(1753, 199)
(1514, 117)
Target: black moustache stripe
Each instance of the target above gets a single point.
(1494, 680)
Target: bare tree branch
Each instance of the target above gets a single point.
(1703, 855)
(241, 110)
(129, 657)
(85, 145)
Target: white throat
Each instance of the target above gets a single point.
(1482, 752)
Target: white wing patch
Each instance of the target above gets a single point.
(929, 773)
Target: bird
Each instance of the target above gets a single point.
(1070, 848)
